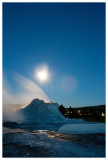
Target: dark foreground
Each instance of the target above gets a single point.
(44, 143)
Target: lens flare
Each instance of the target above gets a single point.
(69, 83)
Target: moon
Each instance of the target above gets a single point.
(42, 73)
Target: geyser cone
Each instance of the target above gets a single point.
(40, 112)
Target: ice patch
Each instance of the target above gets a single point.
(82, 128)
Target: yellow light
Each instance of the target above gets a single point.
(42, 75)
(103, 114)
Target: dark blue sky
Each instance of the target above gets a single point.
(68, 37)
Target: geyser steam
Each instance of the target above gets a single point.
(28, 91)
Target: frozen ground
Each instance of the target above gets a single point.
(83, 128)
(45, 132)
(50, 143)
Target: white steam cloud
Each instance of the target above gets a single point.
(28, 91)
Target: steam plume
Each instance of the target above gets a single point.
(28, 91)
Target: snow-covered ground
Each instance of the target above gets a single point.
(45, 132)
(83, 128)
(55, 140)
(43, 143)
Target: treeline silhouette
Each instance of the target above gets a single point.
(88, 113)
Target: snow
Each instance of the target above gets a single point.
(23, 143)
(43, 113)
(45, 132)
(83, 128)
(40, 112)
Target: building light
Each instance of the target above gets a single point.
(103, 114)
(79, 112)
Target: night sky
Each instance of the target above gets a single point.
(68, 37)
